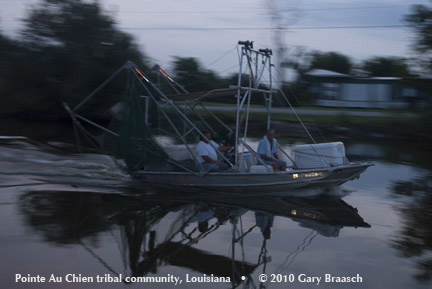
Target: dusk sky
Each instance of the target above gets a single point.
(208, 30)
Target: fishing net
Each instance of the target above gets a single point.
(141, 126)
(136, 120)
(137, 145)
(146, 130)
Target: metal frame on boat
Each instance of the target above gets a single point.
(182, 114)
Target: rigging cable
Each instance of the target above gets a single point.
(221, 57)
(264, 28)
(300, 248)
(298, 101)
(256, 11)
(297, 116)
(212, 63)
(321, 155)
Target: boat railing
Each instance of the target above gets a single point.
(287, 155)
(259, 160)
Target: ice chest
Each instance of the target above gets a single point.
(319, 155)
(260, 169)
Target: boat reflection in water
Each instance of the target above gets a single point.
(162, 229)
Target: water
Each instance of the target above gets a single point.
(75, 218)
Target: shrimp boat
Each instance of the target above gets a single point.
(153, 134)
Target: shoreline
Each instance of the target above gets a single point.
(391, 129)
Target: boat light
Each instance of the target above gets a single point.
(142, 75)
(166, 75)
(312, 174)
(308, 175)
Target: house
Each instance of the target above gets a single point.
(334, 89)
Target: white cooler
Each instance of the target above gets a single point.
(311, 156)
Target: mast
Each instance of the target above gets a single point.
(247, 45)
(269, 52)
(259, 63)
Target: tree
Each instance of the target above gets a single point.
(192, 76)
(421, 22)
(13, 66)
(386, 66)
(69, 47)
(414, 239)
(331, 61)
(7, 48)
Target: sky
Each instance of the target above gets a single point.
(210, 30)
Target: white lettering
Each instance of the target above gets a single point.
(343, 279)
(204, 278)
(156, 279)
(108, 278)
(74, 278)
(29, 278)
(53, 278)
(303, 278)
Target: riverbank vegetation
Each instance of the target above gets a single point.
(68, 48)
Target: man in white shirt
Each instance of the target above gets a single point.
(267, 151)
(207, 155)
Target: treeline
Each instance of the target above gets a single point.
(69, 47)
(66, 50)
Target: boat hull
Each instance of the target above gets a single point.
(255, 182)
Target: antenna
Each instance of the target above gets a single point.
(266, 51)
(247, 43)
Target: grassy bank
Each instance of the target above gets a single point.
(338, 125)
(417, 129)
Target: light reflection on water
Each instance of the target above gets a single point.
(66, 213)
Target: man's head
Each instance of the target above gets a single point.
(207, 137)
(270, 133)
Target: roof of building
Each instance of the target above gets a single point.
(326, 73)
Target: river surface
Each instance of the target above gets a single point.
(76, 221)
